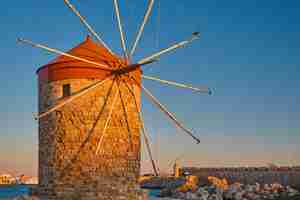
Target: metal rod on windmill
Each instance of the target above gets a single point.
(87, 26)
(203, 89)
(56, 51)
(155, 56)
(122, 37)
(141, 30)
(169, 114)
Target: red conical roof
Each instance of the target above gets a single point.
(89, 50)
(64, 67)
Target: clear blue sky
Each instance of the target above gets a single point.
(248, 53)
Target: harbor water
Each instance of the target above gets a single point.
(12, 191)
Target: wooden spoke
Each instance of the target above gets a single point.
(169, 114)
(165, 111)
(92, 130)
(140, 32)
(87, 26)
(144, 131)
(73, 97)
(126, 117)
(52, 50)
(107, 121)
(169, 49)
(147, 142)
(202, 89)
(99, 115)
(122, 37)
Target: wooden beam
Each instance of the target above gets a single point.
(144, 131)
(107, 121)
(202, 89)
(122, 37)
(169, 114)
(73, 97)
(87, 26)
(126, 117)
(90, 132)
(141, 30)
(56, 51)
(169, 49)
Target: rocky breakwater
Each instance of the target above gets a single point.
(162, 182)
(74, 197)
(219, 190)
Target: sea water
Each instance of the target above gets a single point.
(12, 191)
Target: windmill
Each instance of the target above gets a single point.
(91, 78)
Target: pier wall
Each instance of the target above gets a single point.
(249, 175)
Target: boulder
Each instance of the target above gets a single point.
(191, 196)
(202, 193)
(26, 197)
(238, 195)
(215, 197)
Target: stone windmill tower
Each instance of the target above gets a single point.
(90, 117)
(66, 161)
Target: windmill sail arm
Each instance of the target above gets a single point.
(144, 131)
(203, 89)
(91, 131)
(84, 22)
(141, 30)
(169, 114)
(147, 142)
(56, 51)
(73, 97)
(122, 37)
(169, 49)
(114, 103)
(126, 117)
(99, 115)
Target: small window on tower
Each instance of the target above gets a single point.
(66, 90)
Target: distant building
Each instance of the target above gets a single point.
(31, 181)
(176, 169)
(27, 180)
(6, 179)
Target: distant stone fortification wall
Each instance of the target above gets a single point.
(249, 176)
(70, 169)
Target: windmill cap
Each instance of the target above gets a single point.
(64, 67)
(89, 50)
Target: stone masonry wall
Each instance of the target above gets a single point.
(262, 176)
(69, 169)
